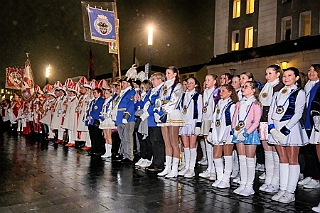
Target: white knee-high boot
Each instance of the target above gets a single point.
(203, 149)
(225, 182)
(269, 166)
(174, 169)
(109, 150)
(193, 157)
(167, 169)
(250, 177)
(243, 174)
(288, 196)
(235, 166)
(276, 173)
(186, 163)
(209, 149)
(294, 171)
(219, 170)
(284, 177)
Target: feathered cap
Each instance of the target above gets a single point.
(103, 84)
(84, 82)
(94, 84)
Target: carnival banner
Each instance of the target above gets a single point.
(102, 24)
(14, 77)
(27, 87)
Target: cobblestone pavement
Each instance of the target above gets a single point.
(37, 177)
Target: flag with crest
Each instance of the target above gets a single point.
(27, 87)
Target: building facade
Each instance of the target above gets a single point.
(249, 35)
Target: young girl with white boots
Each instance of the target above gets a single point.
(286, 132)
(107, 124)
(245, 122)
(191, 109)
(220, 137)
(168, 117)
(273, 85)
(211, 96)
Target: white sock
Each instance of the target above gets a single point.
(269, 166)
(284, 175)
(275, 178)
(219, 168)
(203, 148)
(187, 157)
(227, 169)
(294, 171)
(250, 171)
(209, 150)
(193, 158)
(235, 160)
(243, 169)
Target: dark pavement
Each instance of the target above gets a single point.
(39, 178)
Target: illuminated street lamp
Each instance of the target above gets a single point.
(48, 74)
(150, 43)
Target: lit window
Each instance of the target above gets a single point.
(250, 6)
(235, 40)
(236, 8)
(249, 37)
(286, 28)
(305, 23)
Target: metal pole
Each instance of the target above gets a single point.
(149, 59)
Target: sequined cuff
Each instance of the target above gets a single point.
(199, 124)
(210, 130)
(285, 131)
(270, 126)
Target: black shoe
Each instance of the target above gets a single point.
(153, 169)
(126, 160)
(116, 157)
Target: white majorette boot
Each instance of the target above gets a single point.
(193, 157)
(225, 182)
(284, 177)
(219, 170)
(174, 169)
(243, 174)
(187, 162)
(248, 190)
(167, 169)
(288, 196)
(269, 170)
(274, 186)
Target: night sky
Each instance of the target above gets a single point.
(52, 32)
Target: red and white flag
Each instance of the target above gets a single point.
(27, 88)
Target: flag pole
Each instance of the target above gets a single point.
(117, 36)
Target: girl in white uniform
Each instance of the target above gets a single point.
(191, 108)
(219, 135)
(107, 124)
(169, 119)
(286, 132)
(273, 85)
(211, 96)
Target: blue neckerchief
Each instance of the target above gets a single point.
(292, 106)
(228, 114)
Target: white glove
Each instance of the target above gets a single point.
(209, 137)
(316, 121)
(197, 131)
(157, 118)
(277, 135)
(144, 116)
(125, 121)
(240, 136)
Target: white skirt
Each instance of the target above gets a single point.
(174, 118)
(314, 137)
(187, 130)
(108, 123)
(296, 137)
(263, 131)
